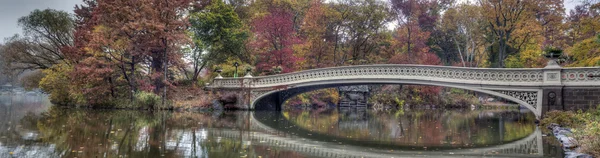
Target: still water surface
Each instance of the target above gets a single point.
(30, 127)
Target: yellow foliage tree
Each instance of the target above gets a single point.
(57, 83)
(585, 53)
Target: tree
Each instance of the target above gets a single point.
(583, 22)
(128, 40)
(218, 34)
(316, 48)
(586, 53)
(275, 36)
(46, 33)
(550, 14)
(464, 25)
(367, 19)
(503, 18)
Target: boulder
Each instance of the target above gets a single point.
(217, 106)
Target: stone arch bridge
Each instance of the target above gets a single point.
(538, 89)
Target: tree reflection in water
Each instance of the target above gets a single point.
(433, 129)
(116, 133)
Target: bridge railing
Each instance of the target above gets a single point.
(464, 75)
(414, 72)
(580, 76)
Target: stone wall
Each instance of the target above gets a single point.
(581, 98)
(236, 99)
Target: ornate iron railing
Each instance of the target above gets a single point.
(490, 76)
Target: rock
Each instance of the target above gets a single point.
(552, 125)
(217, 106)
(570, 153)
(562, 132)
(568, 142)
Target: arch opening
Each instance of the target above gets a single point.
(273, 100)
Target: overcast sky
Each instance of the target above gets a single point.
(12, 10)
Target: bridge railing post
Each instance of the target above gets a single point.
(247, 84)
(552, 74)
(552, 91)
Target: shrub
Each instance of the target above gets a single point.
(56, 83)
(564, 118)
(201, 83)
(589, 138)
(147, 100)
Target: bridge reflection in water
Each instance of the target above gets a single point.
(276, 133)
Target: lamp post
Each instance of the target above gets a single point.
(236, 64)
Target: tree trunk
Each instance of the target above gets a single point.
(157, 67)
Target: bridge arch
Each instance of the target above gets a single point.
(273, 100)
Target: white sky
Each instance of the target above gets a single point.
(12, 10)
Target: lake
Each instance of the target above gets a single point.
(31, 127)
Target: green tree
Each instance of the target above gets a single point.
(358, 29)
(217, 34)
(46, 32)
(464, 25)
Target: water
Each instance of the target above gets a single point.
(30, 127)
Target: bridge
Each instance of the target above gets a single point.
(538, 89)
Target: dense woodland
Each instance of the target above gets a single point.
(114, 51)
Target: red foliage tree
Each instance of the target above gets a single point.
(115, 39)
(275, 35)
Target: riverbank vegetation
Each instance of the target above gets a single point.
(112, 54)
(585, 127)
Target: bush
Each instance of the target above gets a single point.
(201, 83)
(564, 118)
(589, 138)
(56, 82)
(147, 100)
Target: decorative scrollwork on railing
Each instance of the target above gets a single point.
(530, 97)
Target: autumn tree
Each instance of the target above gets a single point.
(128, 41)
(583, 21)
(416, 20)
(586, 53)
(275, 36)
(316, 49)
(504, 17)
(549, 15)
